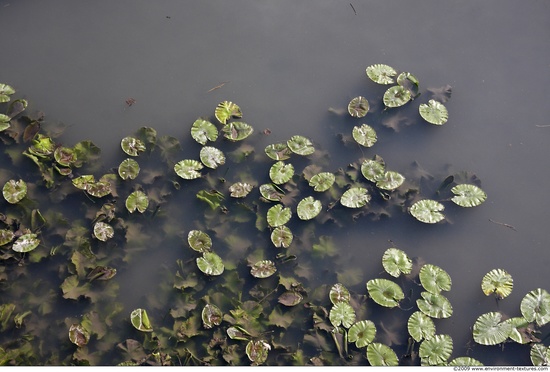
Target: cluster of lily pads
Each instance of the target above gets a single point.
(245, 302)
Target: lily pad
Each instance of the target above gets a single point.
(278, 151)
(420, 326)
(381, 73)
(79, 335)
(396, 96)
(240, 189)
(409, 82)
(373, 169)
(257, 351)
(137, 200)
(358, 107)
(434, 279)
(42, 146)
(64, 156)
(356, 197)
(342, 314)
(434, 112)
(212, 157)
(213, 198)
(103, 231)
(26, 243)
(339, 293)
(199, 241)
(300, 145)
(211, 316)
(521, 331)
(280, 172)
(14, 191)
(263, 269)
(489, 330)
(238, 333)
(385, 292)
(390, 181)
(128, 169)
(99, 189)
(427, 211)
(203, 131)
(237, 131)
(227, 110)
(535, 306)
(281, 236)
(278, 215)
(140, 320)
(499, 282)
(188, 169)
(540, 355)
(465, 361)
(364, 135)
(5, 92)
(434, 305)
(210, 264)
(322, 181)
(396, 262)
(362, 333)
(271, 192)
(468, 195)
(6, 236)
(308, 208)
(436, 350)
(132, 146)
(381, 355)
(4, 122)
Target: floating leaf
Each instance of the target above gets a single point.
(211, 316)
(381, 74)
(540, 355)
(6, 236)
(465, 361)
(396, 262)
(17, 107)
(79, 335)
(128, 169)
(199, 241)
(210, 264)
(342, 314)
(271, 192)
(489, 330)
(137, 200)
(339, 293)
(420, 326)
(521, 332)
(237, 131)
(356, 197)
(535, 306)
(385, 292)
(308, 208)
(409, 82)
(278, 215)
(99, 189)
(213, 198)
(257, 351)
(434, 279)
(212, 157)
(42, 146)
(434, 112)
(436, 350)
(140, 320)
(203, 131)
(468, 195)
(358, 107)
(278, 151)
(240, 189)
(5, 92)
(188, 169)
(281, 172)
(281, 236)
(322, 181)
(381, 355)
(4, 122)
(238, 333)
(390, 181)
(227, 110)
(26, 243)
(132, 146)
(499, 282)
(364, 135)
(427, 211)
(290, 298)
(300, 145)
(103, 231)
(362, 333)
(14, 191)
(434, 305)
(396, 96)
(263, 269)
(373, 170)
(64, 156)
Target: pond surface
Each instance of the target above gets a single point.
(107, 69)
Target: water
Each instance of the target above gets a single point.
(285, 64)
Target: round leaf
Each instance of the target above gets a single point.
(540, 355)
(342, 314)
(14, 191)
(427, 211)
(199, 241)
(358, 107)
(281, 236)
(390, 181)
(103, 231)
(322, 181)
(271, 192)
(99, 189)
(64, 156)
(468, 195)
(339, 293)
(5, 92)
(6, 236)
(436, 350)
(300, 145)
(420, 326)
(227, 110)
(308, 208)
(465, 361)
(240, 189)
(281, 173)
(257, 351)
(26, 243)
(381, 355)
(520, 332)
(210, 264)
(373, 170)
(188, 169)
(362, 333)
(409, 82)
(140, 320)
(434, 112)
(211, 316)
(364, 135)
(4, 122)
(42, 146)
(212, 157)
(381, 74)
(278, 215)
(278, 151)
(535, 306)
(137, 200)
(237, 131)
(489, 330)
(132, 146)
(203, 131)
(385, 292)
(396, 262)
(396, 96)
(434, 279)
(356, 197)
(128, 169)
(263, 269)
(79, 335)
(434, 305)
(497, 281)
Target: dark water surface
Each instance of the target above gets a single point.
(285, 63)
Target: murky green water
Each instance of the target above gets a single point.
(285, 64)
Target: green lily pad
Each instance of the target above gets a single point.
(210, 264)
(227, 110)
(42, 146)
(238, 333)
(212, 157)
(199, 241)
(140, 320)
(396, 262)
(188, 169)
(308, 208)
(281, 237)
(427, 211)
(26, 243)
(434, 305)
(396, 96)
(339, 293)
(6, 236)
(79, 335)
(489, 330)
(300, 145)
(409, 82)
(499, 282)
(271, 192)
(420, 326)
(381, 73)
(14, 191)
(137, 200)
(103, 231)
(99, 189)
(385, 292)
(257, 351)
(280, 172)
(237, 131)
(522, 331)
(390, 181)
(468, 195)
(342, 314)
(358, 107)
(132, 146)
(465, 361)
(381, 355)
(128, 169)
(362, 333)
(4, 122)
(203, 131)
(5, 92)
(83, 182)
(540, 355)
(434, 279)
(213, 198)
(356, 197)
(263, 269)
(278, 151)
(364, 135)
(434, 112)
(278, 215)
(373, 170)
(436, 350)
(535, 306)
(322, 181)
(64, 156)
(211, 316)
(240, 189)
